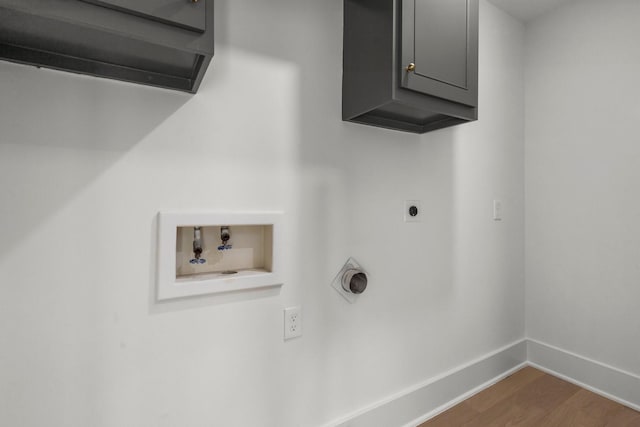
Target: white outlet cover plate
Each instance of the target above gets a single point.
(337, 281)
(170, 287)
(292, 322)
(407, 206)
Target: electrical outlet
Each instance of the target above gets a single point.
(412, 211)
(292, 322)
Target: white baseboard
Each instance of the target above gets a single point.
(417, 404)
(464, 397)
(423, 401)
(612, 383)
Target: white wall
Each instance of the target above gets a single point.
(582, 174)
(85, 165)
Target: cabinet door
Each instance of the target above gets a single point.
(186, 14)
(440, 37)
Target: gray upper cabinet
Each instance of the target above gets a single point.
(186, 14)
(410, 65)
(436, 39)
(164, 43)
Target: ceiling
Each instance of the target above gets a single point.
(526, 10)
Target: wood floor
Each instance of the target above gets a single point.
(530, 397)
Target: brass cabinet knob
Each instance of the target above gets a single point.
(411, 67)
(194, 1)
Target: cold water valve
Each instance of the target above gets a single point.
(225, 235)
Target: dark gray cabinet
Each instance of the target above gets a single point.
(164, 43)
(410, 65)
(187, 14)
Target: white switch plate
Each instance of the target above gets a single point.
(292, 322)
(497, 210)
(408, 205)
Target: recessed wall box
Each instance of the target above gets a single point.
(206, 253)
